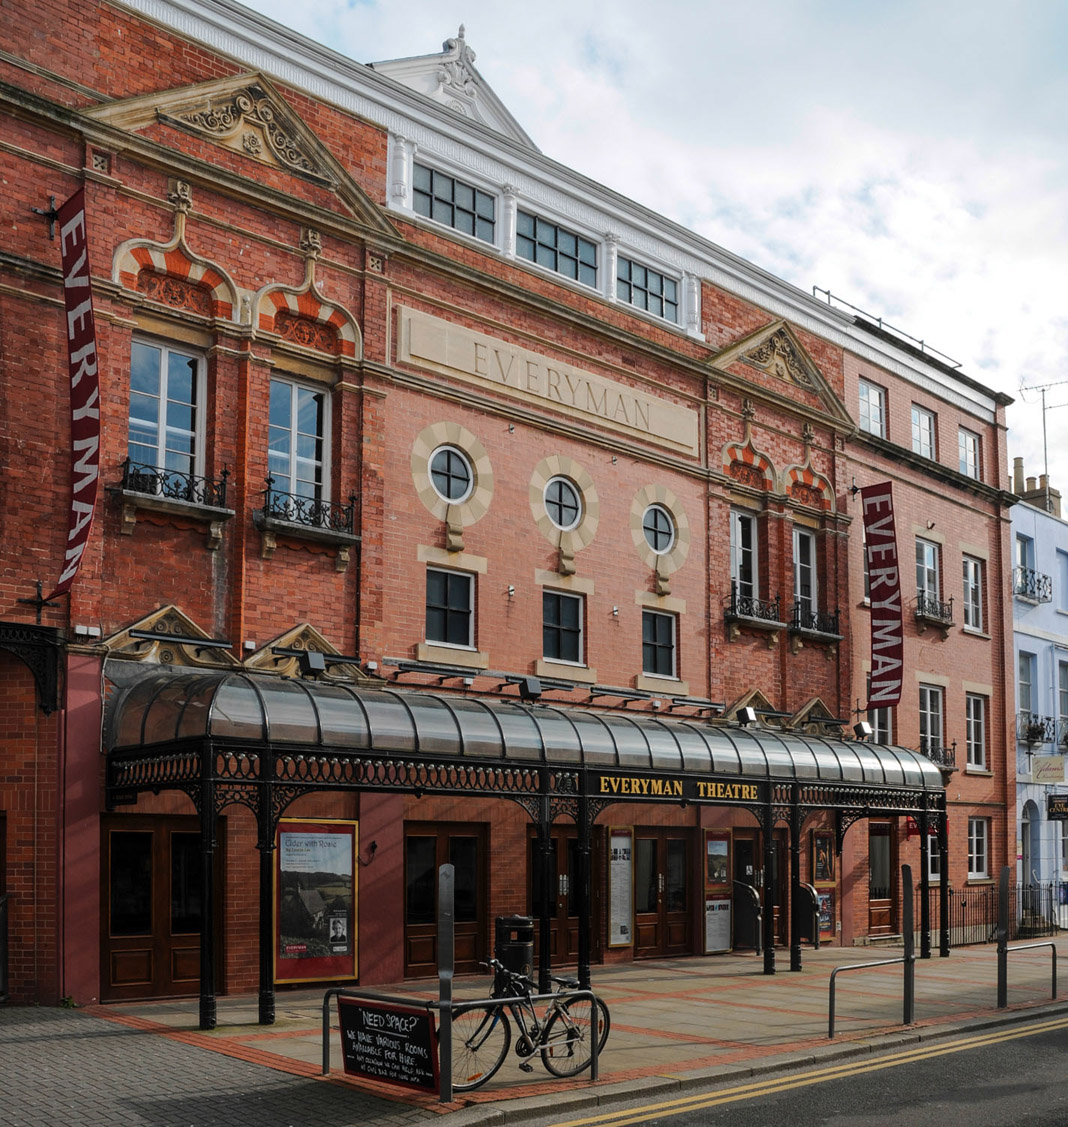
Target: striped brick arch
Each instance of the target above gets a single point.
(172, 274)
(746, 464)
(306, 318)
(807, 487)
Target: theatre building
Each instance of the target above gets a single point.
(449, 508)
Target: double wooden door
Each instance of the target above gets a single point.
(426, 847)
(881, 916)
(563, 893)
(151, 906)
(663, 916)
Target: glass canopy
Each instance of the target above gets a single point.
(168, 706)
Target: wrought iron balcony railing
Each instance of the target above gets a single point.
(942, 756)
(173, 485)
(311, 512)
(1034, 729)
(1032, 585)
(814, 621)
(753, 608)
(931, 609)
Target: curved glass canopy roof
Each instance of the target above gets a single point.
(166, 706)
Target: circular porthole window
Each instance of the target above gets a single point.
(451, 474)
(659, 529)
(563, 503)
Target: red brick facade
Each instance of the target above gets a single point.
(197, 244)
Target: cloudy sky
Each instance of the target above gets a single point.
(911, 157)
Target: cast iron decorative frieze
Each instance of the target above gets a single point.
(37, 648)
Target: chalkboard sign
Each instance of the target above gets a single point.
(397, 1044)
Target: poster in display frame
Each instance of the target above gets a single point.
(717, 858)
(315, 898)
(825, 908)
(822, 857)
(717, 924)
(620, 886)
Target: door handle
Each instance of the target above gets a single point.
(660, 883)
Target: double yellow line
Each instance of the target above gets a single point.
(853, 1067)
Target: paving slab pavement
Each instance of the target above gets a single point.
(675, 1023)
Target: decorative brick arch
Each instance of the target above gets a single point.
(305, 317)
(747, 465)
(172, 274)
(807, 487)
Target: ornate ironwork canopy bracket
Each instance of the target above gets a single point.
(37, 647)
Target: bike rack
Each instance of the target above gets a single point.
(908, 960)
(1003, 943)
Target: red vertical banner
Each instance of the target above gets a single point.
(884, 587)
(84, 385)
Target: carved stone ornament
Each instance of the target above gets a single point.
(747, 475)
(250, 121)
(306, 333)
(778, 357)
(454, 74)
(175, 292)
(179, 194)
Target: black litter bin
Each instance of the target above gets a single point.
(513, 948)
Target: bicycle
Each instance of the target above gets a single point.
(481, 1036)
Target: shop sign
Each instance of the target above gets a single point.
(1057, 807)
(1047, 769)
(395, 1044)
(887, 634)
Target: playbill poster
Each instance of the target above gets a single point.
(621, 887)
(315, 900)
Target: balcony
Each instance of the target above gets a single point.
(162, 490)
(814, 625)
(931, 611)
(1032, 729)
(1031, 586)
(945, 758)
(306, 518)
(754, 614)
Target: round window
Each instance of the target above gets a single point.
(451, 474)
(659, 528)
(562, 503)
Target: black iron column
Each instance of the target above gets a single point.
(207, 894)
(925, 883)
(265, 826)
(582, 893)
(795, 878)
(548, 877)
(767, 819)
(943, 884)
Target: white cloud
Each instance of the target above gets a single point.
(911, 158)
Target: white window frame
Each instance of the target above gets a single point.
(674, 619)
(579, 601)
(448, 448)
(969, 457)
(924, 440)
(288, 483)
(745, 550)
(1061, 580)
(975, 712)
(159, 461)
(932, 718)
(1026, 667)
(1062, 703)
(978, 848)
(972, 573)
(934, 858)
(653, 511)
(872, 408)
(805, 544)
(880, 719)
(1025, 551)
(471, 595)
(928, 571)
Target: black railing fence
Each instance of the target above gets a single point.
(749, 606)
(174, 485)
(1033, 585)
(313, 512)
(1036, 910)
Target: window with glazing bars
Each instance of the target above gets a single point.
(658, 643)
(295, 436)
(647, 289)
(455, 204)
(449, 607)
(165, 395)
(556, 248)
(561, 626)
(973, 593)
(975, 729)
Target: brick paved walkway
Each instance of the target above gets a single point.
(67, 1067)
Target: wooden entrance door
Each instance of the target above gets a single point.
(880, 879)
(426, 847)
(151, 909)
(662, 916)
(563, 922)
(781, 853)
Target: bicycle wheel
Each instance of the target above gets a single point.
(480, 1040)
(566, 1044)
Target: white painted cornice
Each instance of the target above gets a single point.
(262, 44)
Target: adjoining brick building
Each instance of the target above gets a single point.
(390, 428)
